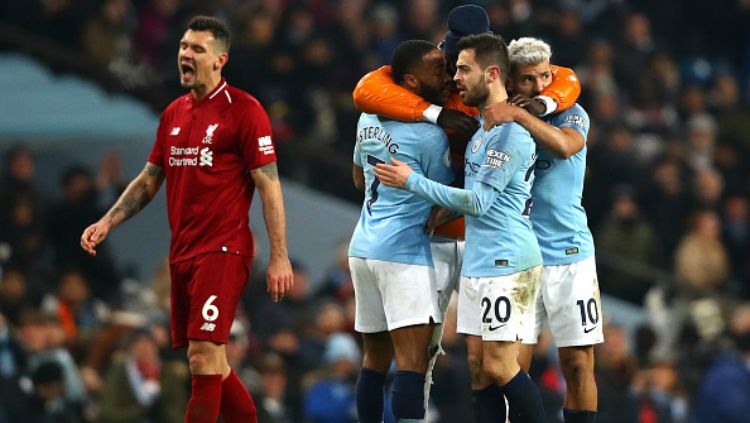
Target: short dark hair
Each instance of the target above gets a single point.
(408, 55)
(489, 49)
(217, 28)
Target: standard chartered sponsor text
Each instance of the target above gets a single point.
(183, 151)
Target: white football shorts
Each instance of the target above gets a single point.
(500, 308)
(391, 295)
(570, 303)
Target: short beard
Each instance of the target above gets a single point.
(432, 95)
(481, 97)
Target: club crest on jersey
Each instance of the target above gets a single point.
(477, 144)
(209, 138)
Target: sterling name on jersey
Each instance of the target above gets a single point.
(391, 225)
(559, 219)
(501, 242)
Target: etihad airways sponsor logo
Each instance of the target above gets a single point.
(191, 156)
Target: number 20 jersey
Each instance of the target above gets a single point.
(391, 225)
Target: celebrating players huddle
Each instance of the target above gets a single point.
(515, 172)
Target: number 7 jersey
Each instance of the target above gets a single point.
(392, 221)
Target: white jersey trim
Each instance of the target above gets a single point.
(218, 91)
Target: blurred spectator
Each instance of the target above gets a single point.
(668, 201)
(650, 398)
(156, 37)
(635, 47)
(269, 319)
(15, 295)
(48, 402)
(18, 175)
(701, 141)
(42, 339)
(68, 219)
(625, 241)
(723, 393)
(273, 401)
(80, 315)
(421, 19)
(337, 283)
(138, 386)
(612, 162)
(736, 234)
(12, 364)
(734, 127)
(106, 37)
(330, 398)
(701, 260)
(709, 187)
(21, 226)
(615, 367)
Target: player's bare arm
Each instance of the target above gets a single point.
(136, 196)
(562, 142)
(358, 176)
(279, 275)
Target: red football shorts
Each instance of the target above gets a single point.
(205, 292)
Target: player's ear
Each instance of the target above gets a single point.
(221, 61)
(492, 73)
(411, 82)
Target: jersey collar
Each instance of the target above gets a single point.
(213, 94)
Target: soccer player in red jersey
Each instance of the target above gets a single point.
(213, 147)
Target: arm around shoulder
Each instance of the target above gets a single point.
(377, 93)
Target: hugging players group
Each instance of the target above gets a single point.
(486, 136)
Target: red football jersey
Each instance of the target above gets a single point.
(207, 148)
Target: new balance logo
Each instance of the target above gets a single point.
(207, 157)
(208, 139)
(175, 131)
(208, 327)
(265, 145)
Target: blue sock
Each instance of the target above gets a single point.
(524, 399)
(408, 396)
(579, 416)
(489, 404)
(370, 386)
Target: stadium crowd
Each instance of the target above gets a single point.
(667, 86)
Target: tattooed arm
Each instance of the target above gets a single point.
(279, 275)
(139, 193)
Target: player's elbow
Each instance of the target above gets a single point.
(475, 209)
(563, 153)
(567, 149)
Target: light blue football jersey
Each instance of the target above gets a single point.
(501, 241)
(558, 216)
(391, 225)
